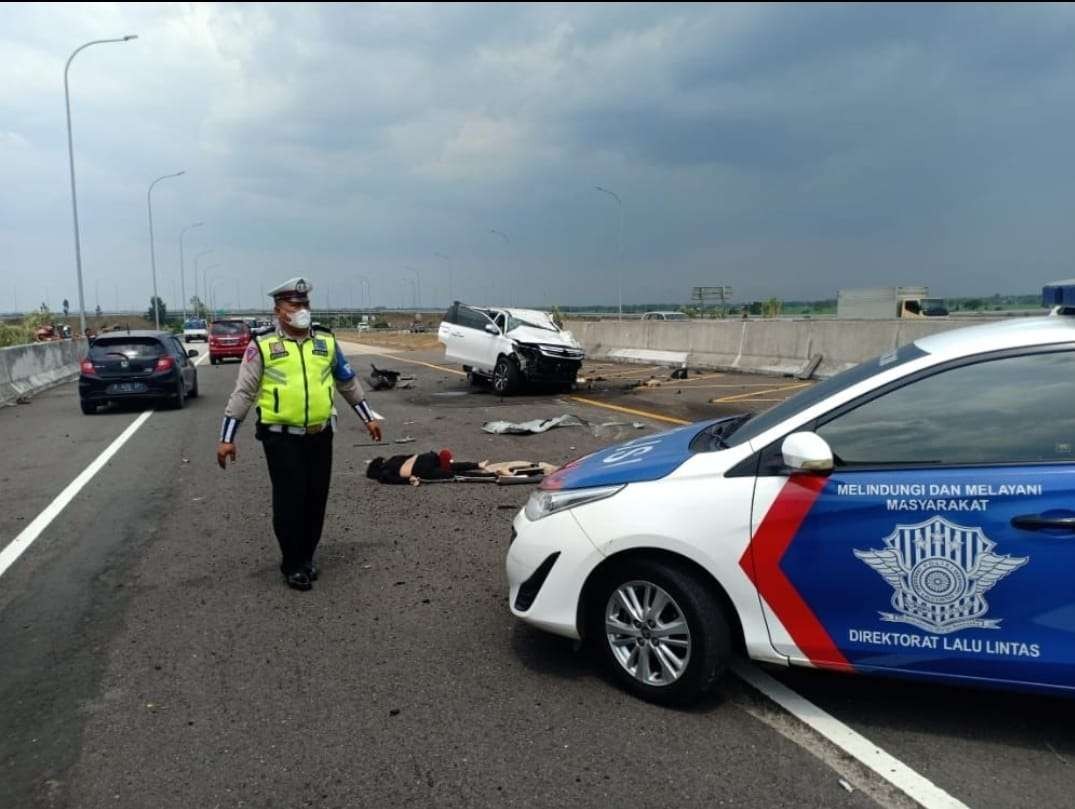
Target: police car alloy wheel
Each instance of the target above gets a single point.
(659, 631)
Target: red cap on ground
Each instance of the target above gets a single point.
(445, 456)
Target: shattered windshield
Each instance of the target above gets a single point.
(514, 322)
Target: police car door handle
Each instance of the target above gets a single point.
(1039, 522)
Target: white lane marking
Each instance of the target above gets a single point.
(915, 786)
(31, 532)
(14, 549)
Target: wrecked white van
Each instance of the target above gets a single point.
(510, 347)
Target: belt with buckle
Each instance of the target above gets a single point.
(287, 429)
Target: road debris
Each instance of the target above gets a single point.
(383, 378)
(537, 426)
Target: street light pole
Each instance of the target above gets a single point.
(182, 268)
(207, 289)
(451, 294)
(619, 244)
(152, 246)
(71, 160)
(507, 241)
(204, 290)
(418, 303)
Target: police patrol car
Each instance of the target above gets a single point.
(913, 516)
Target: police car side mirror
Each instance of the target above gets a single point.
(489, 327)
(807, 452)
(192, 353)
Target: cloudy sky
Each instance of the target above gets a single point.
(785, 150)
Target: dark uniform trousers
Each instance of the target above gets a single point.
(300, 467)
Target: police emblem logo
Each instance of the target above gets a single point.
(940, 573)
(321, 347)
(302, 286)
(277, 349)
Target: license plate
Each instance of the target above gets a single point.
(127, 387)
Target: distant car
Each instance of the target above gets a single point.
(665, 316)
(228, 339)
(195, 329)
(140, 365)
(510, 347)
(419, 328)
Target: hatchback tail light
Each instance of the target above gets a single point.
(86, 367)
(165, 363)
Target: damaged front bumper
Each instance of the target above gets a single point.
(543, 363)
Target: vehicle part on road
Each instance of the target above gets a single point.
(383, 379)
(603, 430)
(659, 630)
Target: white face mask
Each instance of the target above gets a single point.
(300, 319)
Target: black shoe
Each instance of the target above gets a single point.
(312, 570)
(299, 580)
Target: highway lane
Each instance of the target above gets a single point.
(159, 660)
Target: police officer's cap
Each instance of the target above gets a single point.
(296, 290)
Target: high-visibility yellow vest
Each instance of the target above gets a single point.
(297, 385)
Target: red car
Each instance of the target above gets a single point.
(228, 338)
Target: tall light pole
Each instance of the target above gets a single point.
(619, 244)
(204, 290)
(71, 160)
(507, 242)
(365, 284)
(451, 295)
(182, 268)
(418, 277)
(152, 246)
(212, 289)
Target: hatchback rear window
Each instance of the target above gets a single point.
(129, 347)
(224, 327)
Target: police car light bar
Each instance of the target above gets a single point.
(1059, 296)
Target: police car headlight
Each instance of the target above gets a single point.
(542, 504)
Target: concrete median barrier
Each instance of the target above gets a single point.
(773, 347)
(29, 369)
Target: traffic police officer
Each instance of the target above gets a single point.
(292, 374)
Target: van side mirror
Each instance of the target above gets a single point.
(807, 453)
(192, 352)
(489, 327)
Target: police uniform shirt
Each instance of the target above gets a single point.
(248, 386)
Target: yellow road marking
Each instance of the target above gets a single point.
(631, 411)
(699, 378)
(739, 396)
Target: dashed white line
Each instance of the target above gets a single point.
(915, 786)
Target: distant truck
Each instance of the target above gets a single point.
(885, 303)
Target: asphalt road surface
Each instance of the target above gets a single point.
(151, 656)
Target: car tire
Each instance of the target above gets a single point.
(88, 408)
(214, 361)
(506, 376)
(695, 658)
(180, 400)
(194, 390)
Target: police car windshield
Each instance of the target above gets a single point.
(821, 391)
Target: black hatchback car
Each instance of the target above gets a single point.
(137, 365)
